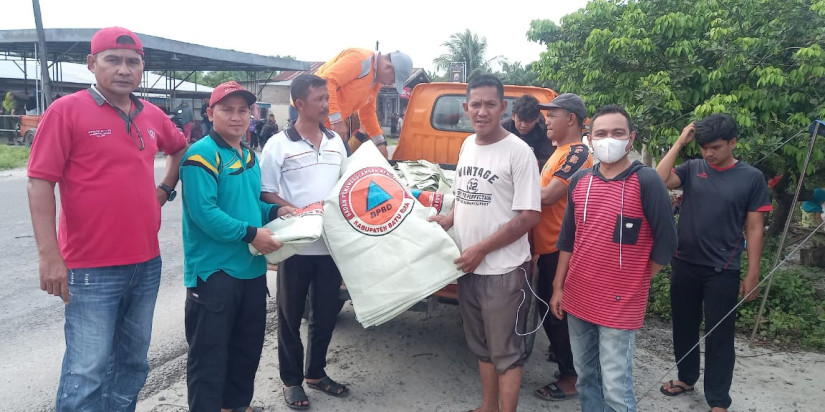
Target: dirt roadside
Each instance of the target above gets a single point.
(419, 362)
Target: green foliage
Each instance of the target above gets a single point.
(12, 157)
(436, 77)
(527, 75)
(465, 47)
(794, 314)
(670, 62)
(659, 300)
(213, 79)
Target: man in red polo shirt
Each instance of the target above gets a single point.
(98, 145)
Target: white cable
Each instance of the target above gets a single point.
(730, 312)
(587, 198)
(523, 299)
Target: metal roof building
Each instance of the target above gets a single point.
(18, 50)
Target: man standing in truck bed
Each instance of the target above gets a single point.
(354, 78)
(528, 124)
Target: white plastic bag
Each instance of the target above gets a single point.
(296, 231)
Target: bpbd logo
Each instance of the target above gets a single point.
(373, 202)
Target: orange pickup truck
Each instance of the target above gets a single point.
(22, 128)
(435, 124)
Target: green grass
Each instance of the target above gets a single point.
(12, 157)
(794, 315)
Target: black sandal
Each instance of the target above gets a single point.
(330, 387)
(680, 389)
(294, 395)
(552, 392)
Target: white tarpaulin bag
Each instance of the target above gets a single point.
(296, 231)
(389, 255)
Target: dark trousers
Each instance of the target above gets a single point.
(690, 286)
(555, 329)
(319, 278)
(225, 325)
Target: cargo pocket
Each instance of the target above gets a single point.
(206, 301)
(204, 318)
(627, 230)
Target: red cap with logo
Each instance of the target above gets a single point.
(228, 88)
(107, 39)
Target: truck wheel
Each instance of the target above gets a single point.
(28, 138)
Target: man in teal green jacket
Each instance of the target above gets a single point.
(226, 285)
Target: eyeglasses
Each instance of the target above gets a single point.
(139, 143)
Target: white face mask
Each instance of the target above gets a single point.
(609, 150)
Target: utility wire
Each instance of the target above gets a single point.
(744, 298)
(778, 147)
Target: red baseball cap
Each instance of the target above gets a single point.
(107, 39)
(228, 88)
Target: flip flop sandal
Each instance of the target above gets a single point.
(330, 387)
(293, 396)
(680, 389)
(552, 392)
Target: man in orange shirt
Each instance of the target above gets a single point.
(354, 78)
(565, 116)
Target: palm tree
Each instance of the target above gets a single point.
(465, 47)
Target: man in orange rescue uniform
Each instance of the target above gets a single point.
(354, 78)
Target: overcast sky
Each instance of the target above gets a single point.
(309, 30)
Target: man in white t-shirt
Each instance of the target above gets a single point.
(497, 200)
(300, 166)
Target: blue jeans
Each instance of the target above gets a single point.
(108, 328)
(603, 358)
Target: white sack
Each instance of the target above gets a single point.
(296, 231)
(389, 255)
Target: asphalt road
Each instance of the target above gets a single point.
(31, 322)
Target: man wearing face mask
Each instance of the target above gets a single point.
(617, 233)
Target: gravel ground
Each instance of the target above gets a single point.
(419, 362)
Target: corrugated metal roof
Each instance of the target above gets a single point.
(80, 74)
(72, 45)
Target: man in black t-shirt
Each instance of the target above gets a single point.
(721, 196)
(528, 124)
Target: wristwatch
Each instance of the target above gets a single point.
(170, 191)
